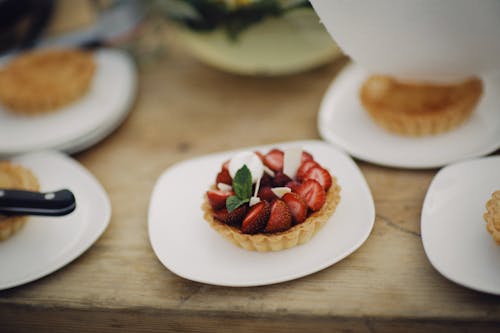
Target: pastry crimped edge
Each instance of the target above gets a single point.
(425, 122)
(296, 235)
(24, 180)
(27, 88)
(492, 216)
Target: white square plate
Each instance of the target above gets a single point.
(186, 244)
(453, 229)
(45, 244)
(343, 122)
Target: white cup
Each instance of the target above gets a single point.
(422, 40)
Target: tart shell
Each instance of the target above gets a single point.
(414, 109)
(41, 81)
(15, 177)
(296, 235)
(492, 216)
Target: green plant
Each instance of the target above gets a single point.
(207, 15)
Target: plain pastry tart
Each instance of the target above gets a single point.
(270, 202)
(19, 178)
(419, 109)
(44, 80)
(492, 216)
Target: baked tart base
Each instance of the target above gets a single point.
(413, 109)
(296, 235)
(40, 81)
(15, 177)
(492, 216)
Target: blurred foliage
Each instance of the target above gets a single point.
(232, 16)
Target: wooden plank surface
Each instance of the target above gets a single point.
(185, 109)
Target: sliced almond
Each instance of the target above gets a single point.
(280, 191)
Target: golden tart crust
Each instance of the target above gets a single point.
(415, 109)
(41, 81)
(296, 235)
(492, 216)
(15, 177)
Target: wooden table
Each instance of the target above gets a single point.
(185, 109)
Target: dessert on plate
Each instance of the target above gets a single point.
(419, 109)
(492, 216)
(273, 201)
(44, 80)
(16, 177)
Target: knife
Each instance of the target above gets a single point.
(20, 202)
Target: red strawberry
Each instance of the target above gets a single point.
(280, 179)
(266, 181)
(261, 156)
(280, 218)
(256, 219)
(297, 207)
(321, 175)
(306, 156)
(313, 194)
(274, 160)
(217, 199)
(266, 194)
(224, 177)
(304, 167)
(232, 218)
(225, 165)
(293, 185)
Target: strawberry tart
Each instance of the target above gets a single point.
(492, 216)
(272, 201)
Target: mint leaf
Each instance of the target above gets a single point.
(242, 183)
(234, 202)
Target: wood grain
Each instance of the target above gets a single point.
(185, 109)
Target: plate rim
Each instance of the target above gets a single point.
(423, 224)
(343, 144)
(284, 277)
(91, 235)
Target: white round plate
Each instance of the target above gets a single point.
(190, 248)
(453, 229)
(72, 128)
(343, 122)
(46, 244)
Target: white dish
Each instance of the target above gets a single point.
(190, 248)
(73, 127)
(46, 244)
(343, 121)
(453, 229)
(417, 40)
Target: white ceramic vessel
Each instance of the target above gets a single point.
(444, 40)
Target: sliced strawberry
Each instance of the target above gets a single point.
(293, 185)
(280, 179)
(266, 194)
(217, 199)
(297, 207)
(232, 218)
(304, 167)
(306, 156)
(266, 181)
(274, 160)
(321, 175)
(313, 194)
(256, 218)
(280, 218)
(261, 156)
(224, 177)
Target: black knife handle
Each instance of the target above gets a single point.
(19, 202)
